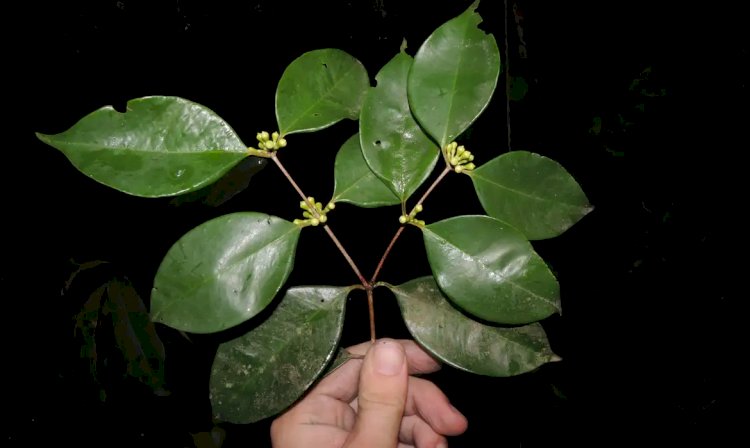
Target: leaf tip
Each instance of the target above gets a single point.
(43, 137)
(402, 49)
(555, 358)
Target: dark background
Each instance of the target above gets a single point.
(644, 105)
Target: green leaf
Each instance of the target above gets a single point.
(161, 146)
(393, 144)
(355, 182)
(264, 371)
(489, 269)
(342, 356)
(531, 192)
(454, 76)
(465, 343)
(318, 89)
(223, 272)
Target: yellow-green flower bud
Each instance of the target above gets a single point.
(297, 221)
(315, 221)
(402, 219)
(282, 142)
(323, 218)
(469, 166)
(307, 215)
(275, 136)
(330, 206)
(259, 136)
(418, 208)
(459, 169)
(264, 136)
(270, 145)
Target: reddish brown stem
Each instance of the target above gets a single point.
(385, 254)
(348, 258)
(388, 249)
(327, 229)
(288, 177)
(446, 170)
(371, 308)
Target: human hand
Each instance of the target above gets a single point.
(373, 403)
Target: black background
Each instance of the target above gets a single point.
(651, 330)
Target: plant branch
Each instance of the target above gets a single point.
(348, 258)
(288, 177)
(385, 254)
(327, 229)
(446, 170)
(388, 249)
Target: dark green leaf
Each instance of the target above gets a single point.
(161, 146)
(531, 192)
(318, 89)
(453, 76)
(223, 272)
(489, 269)
(465, 343)
(393, 144)
(355, 182)
(264, 371)
(342, 356)
(231, 184)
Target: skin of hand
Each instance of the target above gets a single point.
(373, 403)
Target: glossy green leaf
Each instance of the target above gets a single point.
(465, 343)
(453, 77)
(489, 269)
(223, 272)
(318, 89)
(161, 146)
(531, 192)
(264, 371)
(393, 144)
(354, 180)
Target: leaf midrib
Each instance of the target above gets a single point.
(521, 193)
(137, 150)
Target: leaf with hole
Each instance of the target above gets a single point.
(531, 192)
(223, 272)
(318, 89)
(393, 144)
(264, 371)
(453, 77)
(465, 343)
(489, 269)
(161, 146)
(354, 181)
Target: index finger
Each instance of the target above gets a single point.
(343, 383)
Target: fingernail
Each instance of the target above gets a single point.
(388, 359)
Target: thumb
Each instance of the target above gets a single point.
(382, 397)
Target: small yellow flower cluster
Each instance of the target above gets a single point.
(267, 144)
(411, 218)
(314, 212)
(458, 157)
